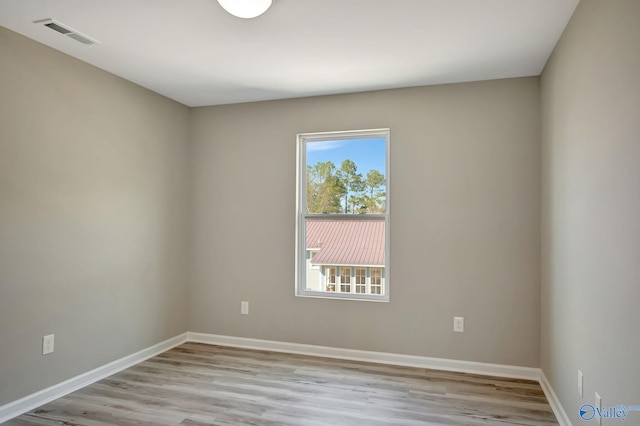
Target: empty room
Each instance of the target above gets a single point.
(320, 212)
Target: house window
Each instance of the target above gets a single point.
(342, 227)
(345, 280)
(331, 278)
(361, 280)
(376, 280)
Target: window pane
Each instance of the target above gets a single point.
(357, 243)
(361, 280)
(345, 275)
(346, 176)
(376, 281)
(345, 280)
(331, 279)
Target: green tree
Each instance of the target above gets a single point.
(375, 188)
(352, 183)
(324, 188)
(344, 190)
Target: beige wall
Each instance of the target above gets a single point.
(465, 172)
(93, 215)
(103, 184)
(591, 207)
(95, 182)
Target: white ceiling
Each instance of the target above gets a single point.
(194, 52)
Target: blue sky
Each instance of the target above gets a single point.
(368, 153)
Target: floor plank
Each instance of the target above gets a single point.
(197, 385)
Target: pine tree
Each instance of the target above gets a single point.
(344, 190)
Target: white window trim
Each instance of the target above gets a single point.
(301, 216)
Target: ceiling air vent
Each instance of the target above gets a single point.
(66, 30)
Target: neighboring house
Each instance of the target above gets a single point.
(345, 256)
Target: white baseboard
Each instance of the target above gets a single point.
(557, 408)
(29, 402)
(15, 408)
(369, 356)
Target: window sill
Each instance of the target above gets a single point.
(343, 296)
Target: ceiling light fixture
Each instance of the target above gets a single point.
(246, 8)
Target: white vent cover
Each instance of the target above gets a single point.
(66, 30)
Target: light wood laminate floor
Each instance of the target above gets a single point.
(196, 384)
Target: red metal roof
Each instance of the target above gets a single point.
(346, 242)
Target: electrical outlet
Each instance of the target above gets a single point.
(580, 381)
(458, 324)
(244, 308)
(47, 344)
(598, 405)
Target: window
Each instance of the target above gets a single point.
(342, 227)
(345, 280)
(331, 278)
(376, 280)
(361, 280)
